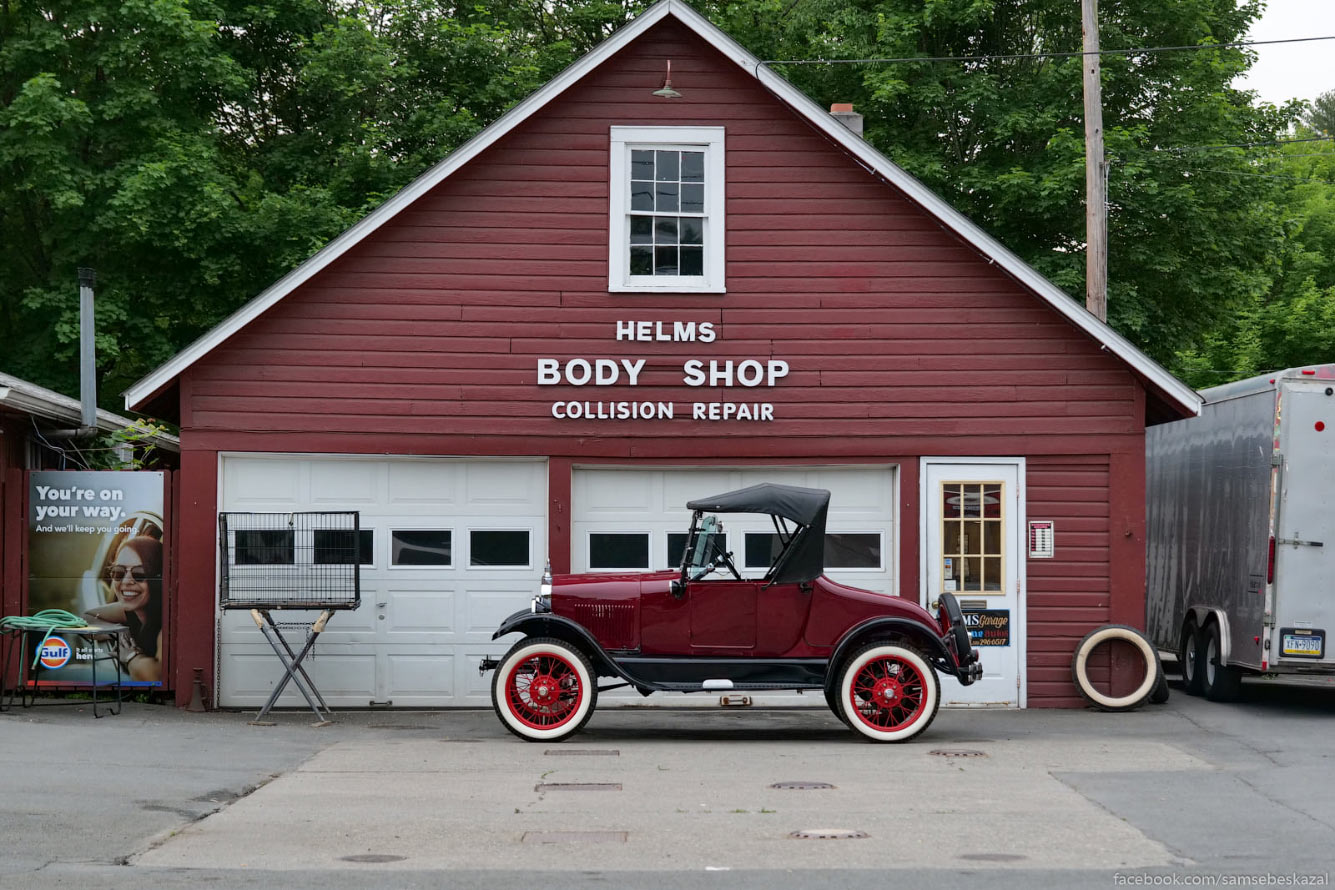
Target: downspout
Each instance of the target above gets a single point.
(87, 363)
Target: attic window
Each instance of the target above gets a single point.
(666, 224)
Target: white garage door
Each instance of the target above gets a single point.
(449, 548)
(635, 518)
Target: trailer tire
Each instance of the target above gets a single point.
(1218, 681)
(1189, 659)
(1159, 694)
(1080, 668)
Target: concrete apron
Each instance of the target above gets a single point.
(441, 803)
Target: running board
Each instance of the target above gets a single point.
(707, 686)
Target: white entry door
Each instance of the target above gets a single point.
(972, 511)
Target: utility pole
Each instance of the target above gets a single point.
(1096, 180)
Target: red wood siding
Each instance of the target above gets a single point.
(901, 339)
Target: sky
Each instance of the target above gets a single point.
(1293, 70)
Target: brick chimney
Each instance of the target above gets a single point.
(843, 112)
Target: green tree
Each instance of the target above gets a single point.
(1003, 139)
(1321, 116)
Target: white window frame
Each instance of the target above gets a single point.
(624, 139)
(588, 552)
(417, 567)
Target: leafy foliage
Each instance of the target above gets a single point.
(193, 151)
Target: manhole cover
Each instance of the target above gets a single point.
(992, 857)
(577, 786)
(398, 726)
(573, 837)
(373, 857)
(801, 786)
(588, 752)
(461, 741)
(957, 752)
(828, 834)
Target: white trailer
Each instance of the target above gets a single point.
(1241, 532)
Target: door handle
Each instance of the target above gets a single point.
(382, 605)
(1297, 543)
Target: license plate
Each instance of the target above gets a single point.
(1303, 645)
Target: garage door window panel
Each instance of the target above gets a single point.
(844, 551)
(336, 547)
(618, 550)
(498, 548)
(265, 547)
(422, 548)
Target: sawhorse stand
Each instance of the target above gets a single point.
(292, 665)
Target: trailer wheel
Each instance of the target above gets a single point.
(1189, 659)
(1080, 667)
(1218, 681)
(1159, 694)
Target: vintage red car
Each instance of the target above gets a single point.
(705, 628)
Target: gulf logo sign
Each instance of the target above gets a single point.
(55, 653)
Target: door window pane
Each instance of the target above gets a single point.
(421, 548)
(608, 550)
(335, 546)
(498, 548)
(264, 547)
(972, 537)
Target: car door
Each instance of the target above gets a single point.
(723, 616)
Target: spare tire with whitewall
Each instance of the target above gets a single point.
(1159, 694)
(1107, 634)
(544, 689)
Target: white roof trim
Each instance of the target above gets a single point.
(1154, 373)
(24, 397)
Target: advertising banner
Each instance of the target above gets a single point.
(96, 548)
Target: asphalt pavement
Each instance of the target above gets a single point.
(1187, 792)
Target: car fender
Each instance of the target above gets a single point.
(545, 624)
(881, 627)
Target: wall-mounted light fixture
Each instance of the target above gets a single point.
(666, 91)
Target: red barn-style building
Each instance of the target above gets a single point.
(612, 301)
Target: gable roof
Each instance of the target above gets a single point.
(1179, 397)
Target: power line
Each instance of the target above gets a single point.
(1265, 176)
(1142, 51)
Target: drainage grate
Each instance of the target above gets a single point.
(373, 857)
(573, 837)
(957, 752)
(574, 752)
(801, 786)
(828, 834)
(992, 857)
(577, 786)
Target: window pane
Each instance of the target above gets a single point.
(992, 501)
(641, 196)
(334, 546)
(665, 230)
(991, 537)
(692, 199)
(692, 230)
(488, 548)
(692, 261)
(420, 548)
(618, 551)
(950, 500)
(973, 500)
(973, 538)
(992, 573)
(852, 551)
(668, 197)
(665, 261)
(641, 165)
(641, 261)
(668, 166)
(641, 230)
(676, 548)
(972, 574)
(264, 547)
(692, 166)
(762, 548)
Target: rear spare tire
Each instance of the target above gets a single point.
(1080, 668)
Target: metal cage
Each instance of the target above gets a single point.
(290, 560)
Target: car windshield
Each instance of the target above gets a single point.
(704, 547)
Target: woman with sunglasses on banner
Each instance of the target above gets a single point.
(136, 577)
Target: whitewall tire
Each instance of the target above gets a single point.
(1107, 634)
(888, 692)
(544, 690)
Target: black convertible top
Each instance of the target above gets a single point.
(804, 557)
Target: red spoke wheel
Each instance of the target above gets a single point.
(544, 690)
(888, 692)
